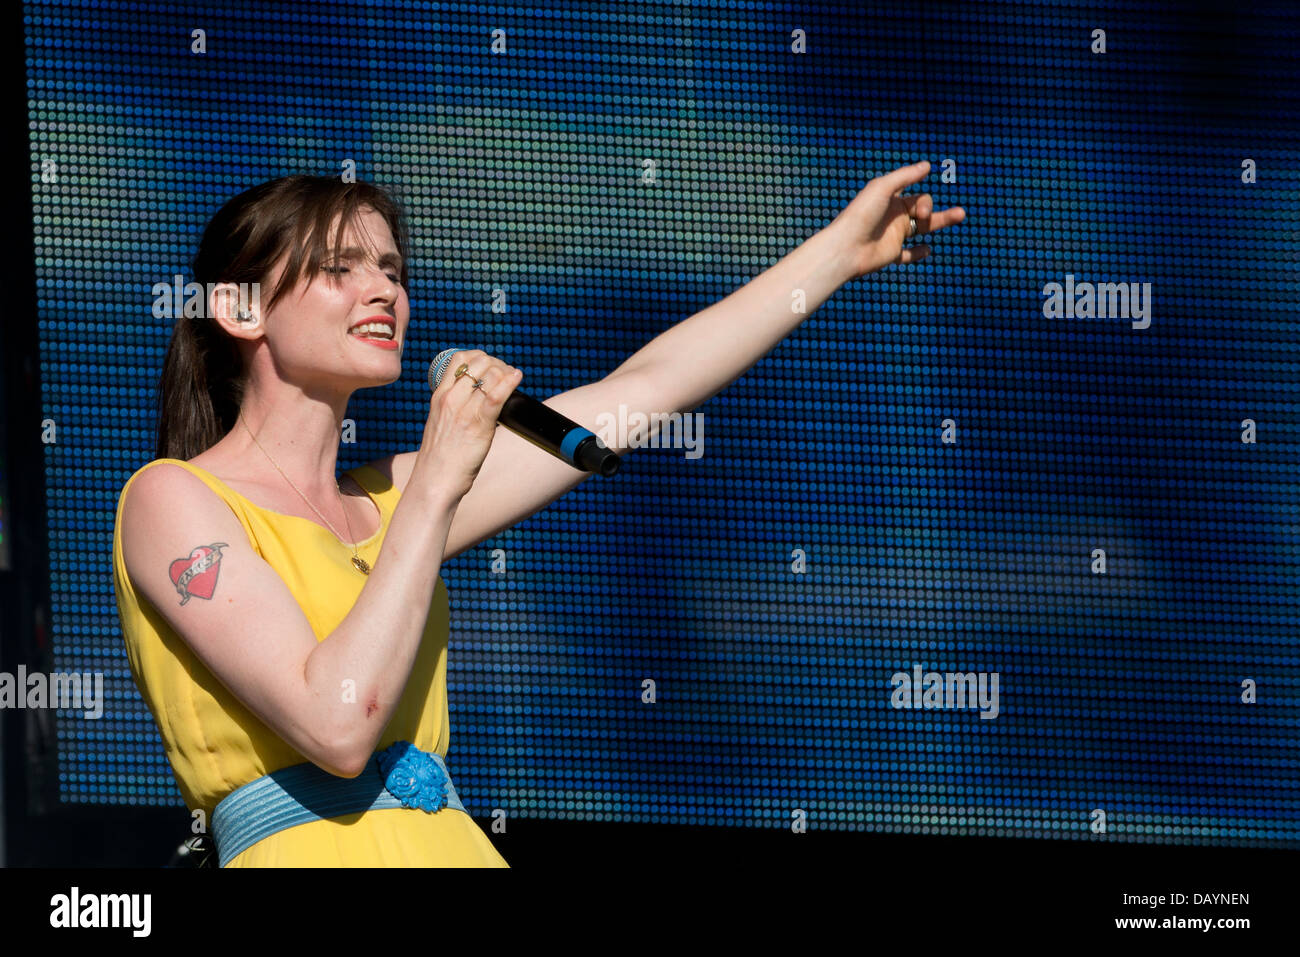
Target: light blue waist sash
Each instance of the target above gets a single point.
(399, 776)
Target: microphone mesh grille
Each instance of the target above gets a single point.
(438, 367)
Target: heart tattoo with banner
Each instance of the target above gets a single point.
(197, 575)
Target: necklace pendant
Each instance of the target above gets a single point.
(361, 564)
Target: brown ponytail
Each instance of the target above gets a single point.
(202, 382)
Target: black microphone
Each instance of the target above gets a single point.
(543, 426)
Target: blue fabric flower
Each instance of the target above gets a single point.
(413, 777)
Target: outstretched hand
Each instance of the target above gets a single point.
(874, 225)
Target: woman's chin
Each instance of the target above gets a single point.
(378, 379)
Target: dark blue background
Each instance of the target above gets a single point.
(522, 171)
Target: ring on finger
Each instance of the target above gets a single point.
(464, 368)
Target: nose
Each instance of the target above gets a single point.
(379, 287)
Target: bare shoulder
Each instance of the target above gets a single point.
(153, 489)
(396, 468)
(165, 499)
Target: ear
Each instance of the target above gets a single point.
(238, 313)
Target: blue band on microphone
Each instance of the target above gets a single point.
(439, 368)
(571, 441)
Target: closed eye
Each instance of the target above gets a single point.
(340, 270)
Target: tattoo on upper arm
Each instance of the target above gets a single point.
(197, 574)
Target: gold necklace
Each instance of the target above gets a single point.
(358, 562)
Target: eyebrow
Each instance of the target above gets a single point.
(356, 252)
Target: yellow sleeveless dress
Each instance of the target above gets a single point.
(215, 744)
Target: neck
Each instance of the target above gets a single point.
(297, 430)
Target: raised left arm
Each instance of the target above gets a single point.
(696, 359)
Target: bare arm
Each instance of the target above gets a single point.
(675, 372)
(697, 358)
